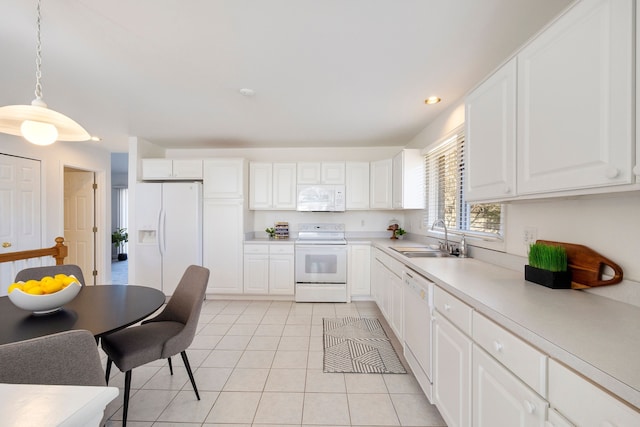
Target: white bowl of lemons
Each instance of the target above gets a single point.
(46, 295)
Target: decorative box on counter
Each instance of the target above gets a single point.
(282, 230)
(550, 279)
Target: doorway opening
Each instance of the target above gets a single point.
(119, 217)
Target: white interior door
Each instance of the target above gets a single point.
(20, 226)
(79, 220)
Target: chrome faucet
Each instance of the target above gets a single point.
(446, 235)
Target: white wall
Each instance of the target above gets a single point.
(79, 155)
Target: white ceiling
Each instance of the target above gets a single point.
(325, 73)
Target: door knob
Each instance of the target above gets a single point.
(6, 244)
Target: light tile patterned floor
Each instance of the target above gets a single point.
(259, 363)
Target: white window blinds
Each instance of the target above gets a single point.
(445, 175)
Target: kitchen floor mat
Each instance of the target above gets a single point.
(358, 345)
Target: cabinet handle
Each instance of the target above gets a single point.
(6, 244)
(529, 407)
(636, 170)
(612, 172)
(498, 346)
(447, 307)
(507, 189)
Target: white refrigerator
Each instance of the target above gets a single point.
(168, 235)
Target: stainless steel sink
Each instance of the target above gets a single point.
(420, 252)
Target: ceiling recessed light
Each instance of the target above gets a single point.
(432, 100)
(247, 92)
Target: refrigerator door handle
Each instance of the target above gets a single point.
(161, 231)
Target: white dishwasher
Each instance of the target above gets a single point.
(418, 302)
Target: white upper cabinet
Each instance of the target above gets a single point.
(408, 180)
(223, 178)
(321, 173)
(260, 185)
(272, 186)
(380, 188)
(357, 185)
(490, 121)
(575, 101)
(171, 169)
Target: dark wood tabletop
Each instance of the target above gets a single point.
(99, 309)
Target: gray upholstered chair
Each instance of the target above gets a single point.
(161, 337)
(65, 358)
(37, 273)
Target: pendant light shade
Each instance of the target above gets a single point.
(37, 123)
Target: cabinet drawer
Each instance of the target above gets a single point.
(453, 309)
(281, 249)
(256, 249)
(585, 404)
(522, 359)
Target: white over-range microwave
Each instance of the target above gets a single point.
(321, 198)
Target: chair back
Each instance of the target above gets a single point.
(184, 307)
(37, 273)
(65, 358)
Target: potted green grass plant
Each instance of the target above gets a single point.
(548, 266)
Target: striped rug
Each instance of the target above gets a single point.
(359, 345)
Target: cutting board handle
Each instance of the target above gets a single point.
(587, 266)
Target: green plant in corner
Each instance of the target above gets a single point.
(118, 238)
(548, 257)
(270, 231)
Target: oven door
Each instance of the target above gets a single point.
(321, 263)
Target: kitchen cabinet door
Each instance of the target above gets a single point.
(284, 186)
(500, 398)
(357, 185)
(575, 101)
(260, 185)
(451, 372)
(408, 182)
(223, 244)
(396, 315)
(380, 191)
(256, 274)
(187, 169)
(332, 173)
(223, 178)
(309, 173)
(281, 275)
(359, 270)
(157, 168)
(490, 137)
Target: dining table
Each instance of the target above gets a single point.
(100, 309)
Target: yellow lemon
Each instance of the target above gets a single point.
(52, 286)
(60, 276)
(46, 279)
(14, 286)
(69, 280)
(30, 284)
(35, 290)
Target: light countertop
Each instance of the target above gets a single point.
(596, 336)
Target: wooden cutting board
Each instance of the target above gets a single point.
(587, 266)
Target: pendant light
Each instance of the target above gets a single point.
(37, 123)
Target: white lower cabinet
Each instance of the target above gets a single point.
(269, 269)
(388, 290)
(359, 270)
(500, 398)
(451, 372)
(585, 404)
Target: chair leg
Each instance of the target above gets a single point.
(170, 365)
(127, 390)
(108, 370)
(193, 381)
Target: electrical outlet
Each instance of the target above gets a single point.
(530, 235)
